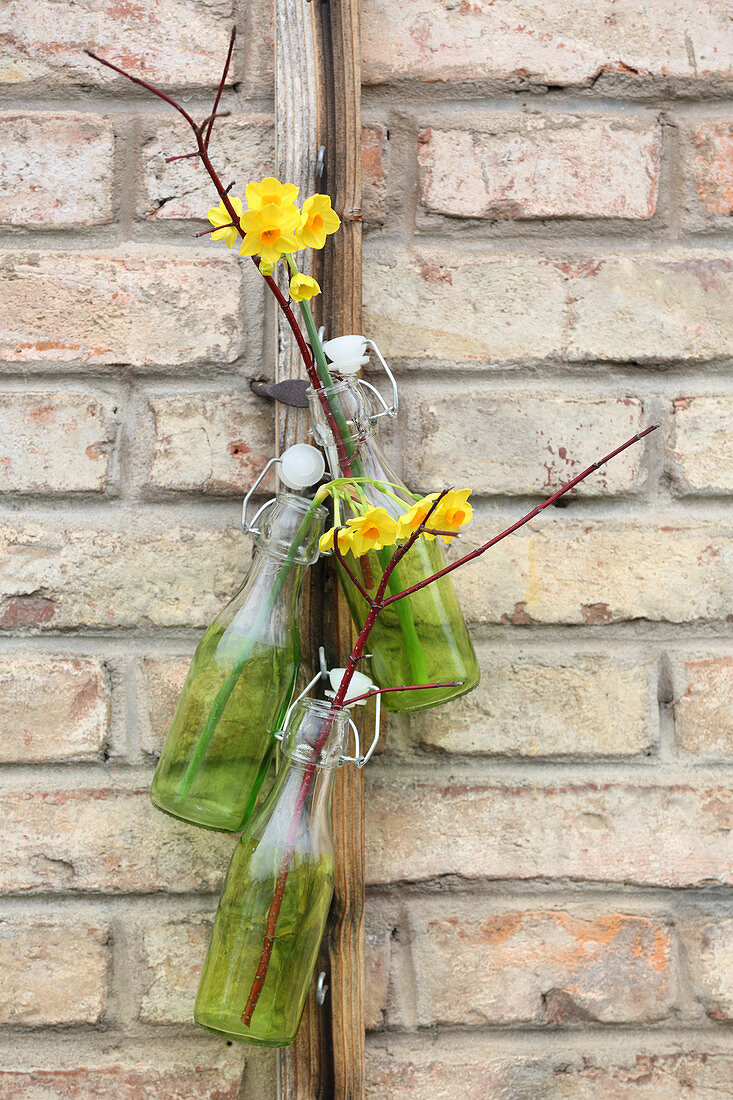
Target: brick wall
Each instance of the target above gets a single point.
(547, 198)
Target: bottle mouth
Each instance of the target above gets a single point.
(359, 416)
(299, 746)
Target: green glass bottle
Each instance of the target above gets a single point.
(422, 638)
(216, 761)
(277, 893)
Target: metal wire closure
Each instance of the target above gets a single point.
(248, 526)
(387, 410)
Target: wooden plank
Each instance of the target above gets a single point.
(318, 102)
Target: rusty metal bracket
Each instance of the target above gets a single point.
(289, 392)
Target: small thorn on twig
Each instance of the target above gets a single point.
(228, 189)
(182, 156)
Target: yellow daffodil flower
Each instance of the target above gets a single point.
(317, 221)
(269, 232)
(219, 215)
(414, 516)
(344, 542)
(303, 287)
(270, 191)
(375, 529)
(452, 512)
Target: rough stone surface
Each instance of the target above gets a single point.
(542, 168)
(55, 442)
(139, 307)
(162, 683)
(175, 952)
(709, 946)
(546, 968)
(52, 708)
(104, 841)
(378, 954)
(242, 148)
(55, 170)
(215, 443)
(55, 578)
(701, 458)
(590, 706)
(374, 168)
(171, 42)
(713, 167)
(560, 42)
(521, 442)
(202, 1078)
(703, 711)
(52, 974)
(418, 830)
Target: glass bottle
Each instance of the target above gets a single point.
(422, 638)
(277, 892)
(216, 761)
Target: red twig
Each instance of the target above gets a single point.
(205, 232)
(222, 82)
(406, 687)
(181, 156)
(520, 522)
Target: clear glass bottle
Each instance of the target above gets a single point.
(422, 638)
(277, 893)
(216, 761)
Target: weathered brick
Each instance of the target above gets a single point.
(174, 951)
(52, 974)
(419, 830)
(374, 167)
(143, 306)
(170, 42)
(520, 442)
(431, 1073)
(544, 968)
(55, 578)
(202, 1074)
(588, 706)
(557, 43)
(540, 167)
(55, 442)
(162, 683)
(55, 170)
(713, 166)
(439, 306)
(651, 308)
(702, 450)
(595, 573)
(215, 443)
(52, 708)
(242, 148)
(103, 841)
(377, 962)
(703, 711)
(709, 947)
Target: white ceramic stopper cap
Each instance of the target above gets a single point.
(359, 684)
(301, 466)
(347, 353)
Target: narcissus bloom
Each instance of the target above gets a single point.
(269, 232)
(344, 541)
(414, 516)
(317, 221)
(375, 529)
(452, 512)
(219, 215)
(303, 287)
(270, 192)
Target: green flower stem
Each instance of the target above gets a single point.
(225, 691)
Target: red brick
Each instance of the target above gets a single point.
(204, 1077)
(169, 42)
(55, 442)
(701, 453)
(52, 974)
(174, 953)
(55, 578)
(144, 306)
(579, 706)
(713, 167)
(709, 948)
(242, 149)
(162, 683)
(213, 443)
(544, 968)
(52, 708)
(537, 167)
(537, 441)
(374, 166)
(431, 1073)
(703, 712)
(561, 42)
(418, 830)
(377, 969)
(103, 841)
(55, 170)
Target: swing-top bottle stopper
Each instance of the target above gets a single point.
(348, 354)
(301, 466)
